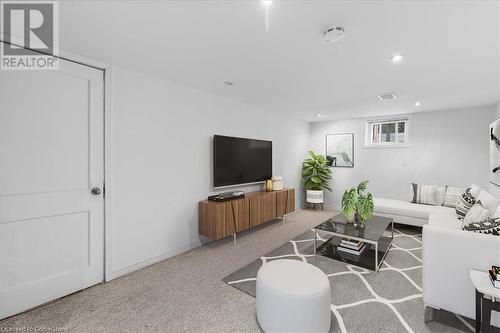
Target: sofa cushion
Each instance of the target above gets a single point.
(445, 221)
(404, 208)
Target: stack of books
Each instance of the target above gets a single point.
(495, 276)
(351, 246)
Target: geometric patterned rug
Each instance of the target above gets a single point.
(363, 300)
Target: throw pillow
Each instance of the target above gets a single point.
(496, 214)
(489, 226)
(464, 204)
(440, 194)
(474, 190)
(452, 195)
(424, 194)
(476, 213)
(488, 201)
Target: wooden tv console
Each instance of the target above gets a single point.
(217, 220)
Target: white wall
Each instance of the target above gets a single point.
(497, 109)
(493, 188)
(161, 162)
(448, 147)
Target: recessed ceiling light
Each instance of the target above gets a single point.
(318, 115)
(229, 83)
(417, 104)
(267, 3)
(396, 58)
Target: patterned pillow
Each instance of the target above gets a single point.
(424, 194)
(440, 193)
(465, 202)
(489, 227)
(452, 195)
(476, 213)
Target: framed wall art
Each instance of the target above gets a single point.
(340, 150)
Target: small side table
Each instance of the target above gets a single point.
(484, 306)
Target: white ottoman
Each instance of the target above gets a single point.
(293, 296)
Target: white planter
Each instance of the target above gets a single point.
(314, 196)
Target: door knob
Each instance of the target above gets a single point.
(95, 191)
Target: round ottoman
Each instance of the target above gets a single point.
(293, 296)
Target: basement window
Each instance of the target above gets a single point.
(388, 132)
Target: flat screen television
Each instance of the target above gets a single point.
(241, 161)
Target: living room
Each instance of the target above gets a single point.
(109, 160)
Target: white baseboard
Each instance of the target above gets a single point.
(132, 268)
(295, 211)
(331, 207)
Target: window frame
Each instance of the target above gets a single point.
(370, 123)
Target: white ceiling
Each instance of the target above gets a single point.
(451, 50)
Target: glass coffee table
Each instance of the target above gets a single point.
(377, 236)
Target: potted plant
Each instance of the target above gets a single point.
(357, 206)
(317, 175)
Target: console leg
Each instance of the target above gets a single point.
(486, 315)
(479, 310)
(234, 239)
(315, 241)
(428, 314)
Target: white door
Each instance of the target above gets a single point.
(51, 156)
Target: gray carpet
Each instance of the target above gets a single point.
(363, 300)
(181, 294)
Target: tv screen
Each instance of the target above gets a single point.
(241, 161)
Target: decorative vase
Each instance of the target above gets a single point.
(314, 196)
(358, 221)
(277, 183)
(269, 185)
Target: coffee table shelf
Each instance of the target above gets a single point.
(377, 235)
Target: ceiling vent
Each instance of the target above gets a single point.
(388, 96)
(333, 34)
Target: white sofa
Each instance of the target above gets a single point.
(405, 212)
(448, 254)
